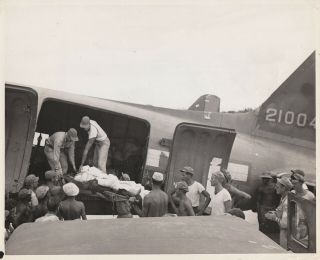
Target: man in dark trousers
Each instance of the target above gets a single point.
(155, 204)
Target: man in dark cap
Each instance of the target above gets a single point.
(267, 200)
(31, 183)
(57, 146)
(195, 190)
(97, 136)
(184, 204)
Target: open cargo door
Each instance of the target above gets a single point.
(196, 145)
(301, 224)
(20, 121)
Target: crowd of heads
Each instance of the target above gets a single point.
(35, 202)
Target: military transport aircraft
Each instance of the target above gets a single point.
(279, 135)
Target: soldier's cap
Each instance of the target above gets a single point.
(182, 185)
(297, 175)
(73, 134)
(157, 176)
(42, 191)
(266, 175)
(24, 194)
(31, 179)
(70, 189)
(297, 171)
(49, 175)
(187, 169)
(85, 122)
(285, 181)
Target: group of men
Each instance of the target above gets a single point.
(272, 204)
(50, 201)
(184, 199)
(60, 146)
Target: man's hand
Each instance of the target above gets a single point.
(74, 169)
(59, 173)
(246, 196)
(271, 215)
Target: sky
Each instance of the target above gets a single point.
(162, 53)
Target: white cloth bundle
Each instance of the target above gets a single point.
(110, 181)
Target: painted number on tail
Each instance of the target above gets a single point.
(289, 118)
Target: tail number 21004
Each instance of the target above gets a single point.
(289, 117)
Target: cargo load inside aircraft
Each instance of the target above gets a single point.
(128, 137)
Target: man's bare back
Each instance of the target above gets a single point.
(185, 207)
(71, 209)
(155, 204)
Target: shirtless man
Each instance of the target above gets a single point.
(70, 208)
(155, 204)
(184, 204)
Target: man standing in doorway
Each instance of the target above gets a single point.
(57, 146)
(195, 190)
(102, 143)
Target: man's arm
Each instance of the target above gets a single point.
(206, 203)
(71, 156)
(145, 207)
(227, 205)
(86, 150)
(83, 212)
(238, 192)
(176, 211)
(189, 209)
(59, 213)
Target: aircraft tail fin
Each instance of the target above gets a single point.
(290, 110)
(206, 103)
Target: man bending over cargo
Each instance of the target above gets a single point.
(185, 206)
(70, 208)
(155, 204)
(102, 143)
(57, 146)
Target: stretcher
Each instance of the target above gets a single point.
(93, 189)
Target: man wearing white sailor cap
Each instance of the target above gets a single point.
(155, 204)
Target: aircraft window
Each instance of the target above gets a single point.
(299, 226)
(42, 139)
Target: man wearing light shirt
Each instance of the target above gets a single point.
(97, 136)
